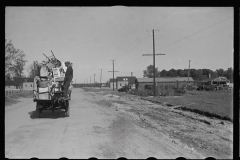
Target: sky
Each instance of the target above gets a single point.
(91, 37)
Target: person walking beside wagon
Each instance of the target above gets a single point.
(67, 79)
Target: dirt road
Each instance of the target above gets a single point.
(105, 126)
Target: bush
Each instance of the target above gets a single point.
(165, 91)
(160, 91)
(139, 92)
(180, 90)
(209, 87)
(220, 88)
(190, 88)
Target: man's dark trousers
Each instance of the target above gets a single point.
(66, 86)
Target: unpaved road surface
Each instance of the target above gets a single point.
(105, 126)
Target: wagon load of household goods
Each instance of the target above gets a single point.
(47, 86)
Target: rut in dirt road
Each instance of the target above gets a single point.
(94, 129)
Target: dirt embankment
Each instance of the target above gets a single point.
(206, 135)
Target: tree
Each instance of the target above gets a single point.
(220, 72)
(163, 73)
(14, 60)
(180, 73)
(172, 73)
(149, 72)
(195, 74)
(33, 70)
(228, 73)
(206, 71)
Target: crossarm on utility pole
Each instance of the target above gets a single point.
(113, 72)
(154, 85)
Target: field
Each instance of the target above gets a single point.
(217, 104)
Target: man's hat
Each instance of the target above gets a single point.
(67, 63)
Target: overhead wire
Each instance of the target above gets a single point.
(185, 37)
(198, 39)
(148, 35)
(133, 47)
(139, 31)
(196, 32)
(204, 64)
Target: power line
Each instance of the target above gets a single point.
(179, 40)
(187, 37)
(205, 64)
(180, 14)
(158, 27)
(175, 18)
(198, 39)
(196, 32)
(150, 27)
(136, 62)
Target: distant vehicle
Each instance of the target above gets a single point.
(123, 89)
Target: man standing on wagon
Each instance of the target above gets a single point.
(68, 78)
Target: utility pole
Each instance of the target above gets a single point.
(90, 81)
(101, 79)
(94, 80)
(188, 72)
(75, 81)
(34, 68)
(154, 83)
(113, 72)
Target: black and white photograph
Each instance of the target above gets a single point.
(111, 82)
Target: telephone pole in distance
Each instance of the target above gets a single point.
(94, 80)
(113, 72)
(188, 72)
(101, 79)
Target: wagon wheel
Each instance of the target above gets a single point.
(67, 113)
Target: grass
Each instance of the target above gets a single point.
(217, 104)
(105, 91)
(13, 99)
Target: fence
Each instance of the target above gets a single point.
(17, 92)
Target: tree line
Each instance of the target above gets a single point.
(14, 61)
(196, 74)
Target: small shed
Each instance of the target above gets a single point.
(129, 81)
(10, 85)
(24, 83)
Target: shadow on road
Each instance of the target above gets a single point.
(47, 114)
